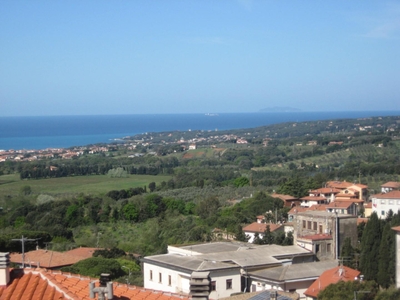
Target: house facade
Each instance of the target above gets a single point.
(323, 232)
(383, 202)
(228, 264)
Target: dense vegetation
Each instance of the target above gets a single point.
(187, 194)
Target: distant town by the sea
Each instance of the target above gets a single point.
(67, 131)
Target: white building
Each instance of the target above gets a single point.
(227, 262)
(382, 203)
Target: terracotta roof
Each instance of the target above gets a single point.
(340, 204)
(397, 228)
(344, 195)
(297, 209)
(340, 273)
(363, 186)
(320, 207)
(30, 284)
(326, 190)
(313, 198)
(52, 259)
(316, 237)
(261, 227)
(351, 200)
(338, 184)
(389, 195)
(391, 184)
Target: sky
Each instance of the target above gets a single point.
(197, 56)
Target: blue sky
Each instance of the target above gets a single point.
(128, 57)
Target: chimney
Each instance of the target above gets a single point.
(4, 268)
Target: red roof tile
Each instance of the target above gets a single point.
(41, 284)
(261, 227)
(391, 185)
(389, 195)
(338, 184)
(340, 204)
(340, 273)
(326, 190)
(52, 259)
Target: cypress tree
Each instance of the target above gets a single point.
(370, 241)
(384, 278)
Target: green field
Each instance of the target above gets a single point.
(95, 184)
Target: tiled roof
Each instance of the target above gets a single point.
(320, 207)
(340, 273)
(326, 191)
(340, 204)
(41, 284)
(261, 227)
(338, 184)
(52, 259)
(391, 184)
(313, 198)
(397, 228)
(389, 195)
(297, 209)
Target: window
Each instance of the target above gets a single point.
(390, 201)
(159, 277)
(151, 275)
(382, 213)
(398, 202)
(328, 247)
(304, 224)
(315, 226)
(320, 228)
(382, 201)
(309, 225)
(169, 280)
(213, 286)
(229, 284)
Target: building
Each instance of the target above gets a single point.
(37, 283)
(288, 201)
(334, 275)
(259, 229)
(390, 186)
(227, 262)
(289, 278)
(383, 202)
(397, 230)
(323, 232)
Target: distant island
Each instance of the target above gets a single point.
(280, 109)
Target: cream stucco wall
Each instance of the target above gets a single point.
(175, 281)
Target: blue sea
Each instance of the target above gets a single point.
(68, 131)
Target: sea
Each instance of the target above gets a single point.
(43, 132)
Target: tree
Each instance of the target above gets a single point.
(370, 241)
(240, 235)
(347, 253)
(386, 270)
(152, 186)
(130, 212)
(268, 238)
(344, 290)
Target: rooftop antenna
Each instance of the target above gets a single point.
(23, 240)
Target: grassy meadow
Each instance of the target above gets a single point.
(94, 184)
